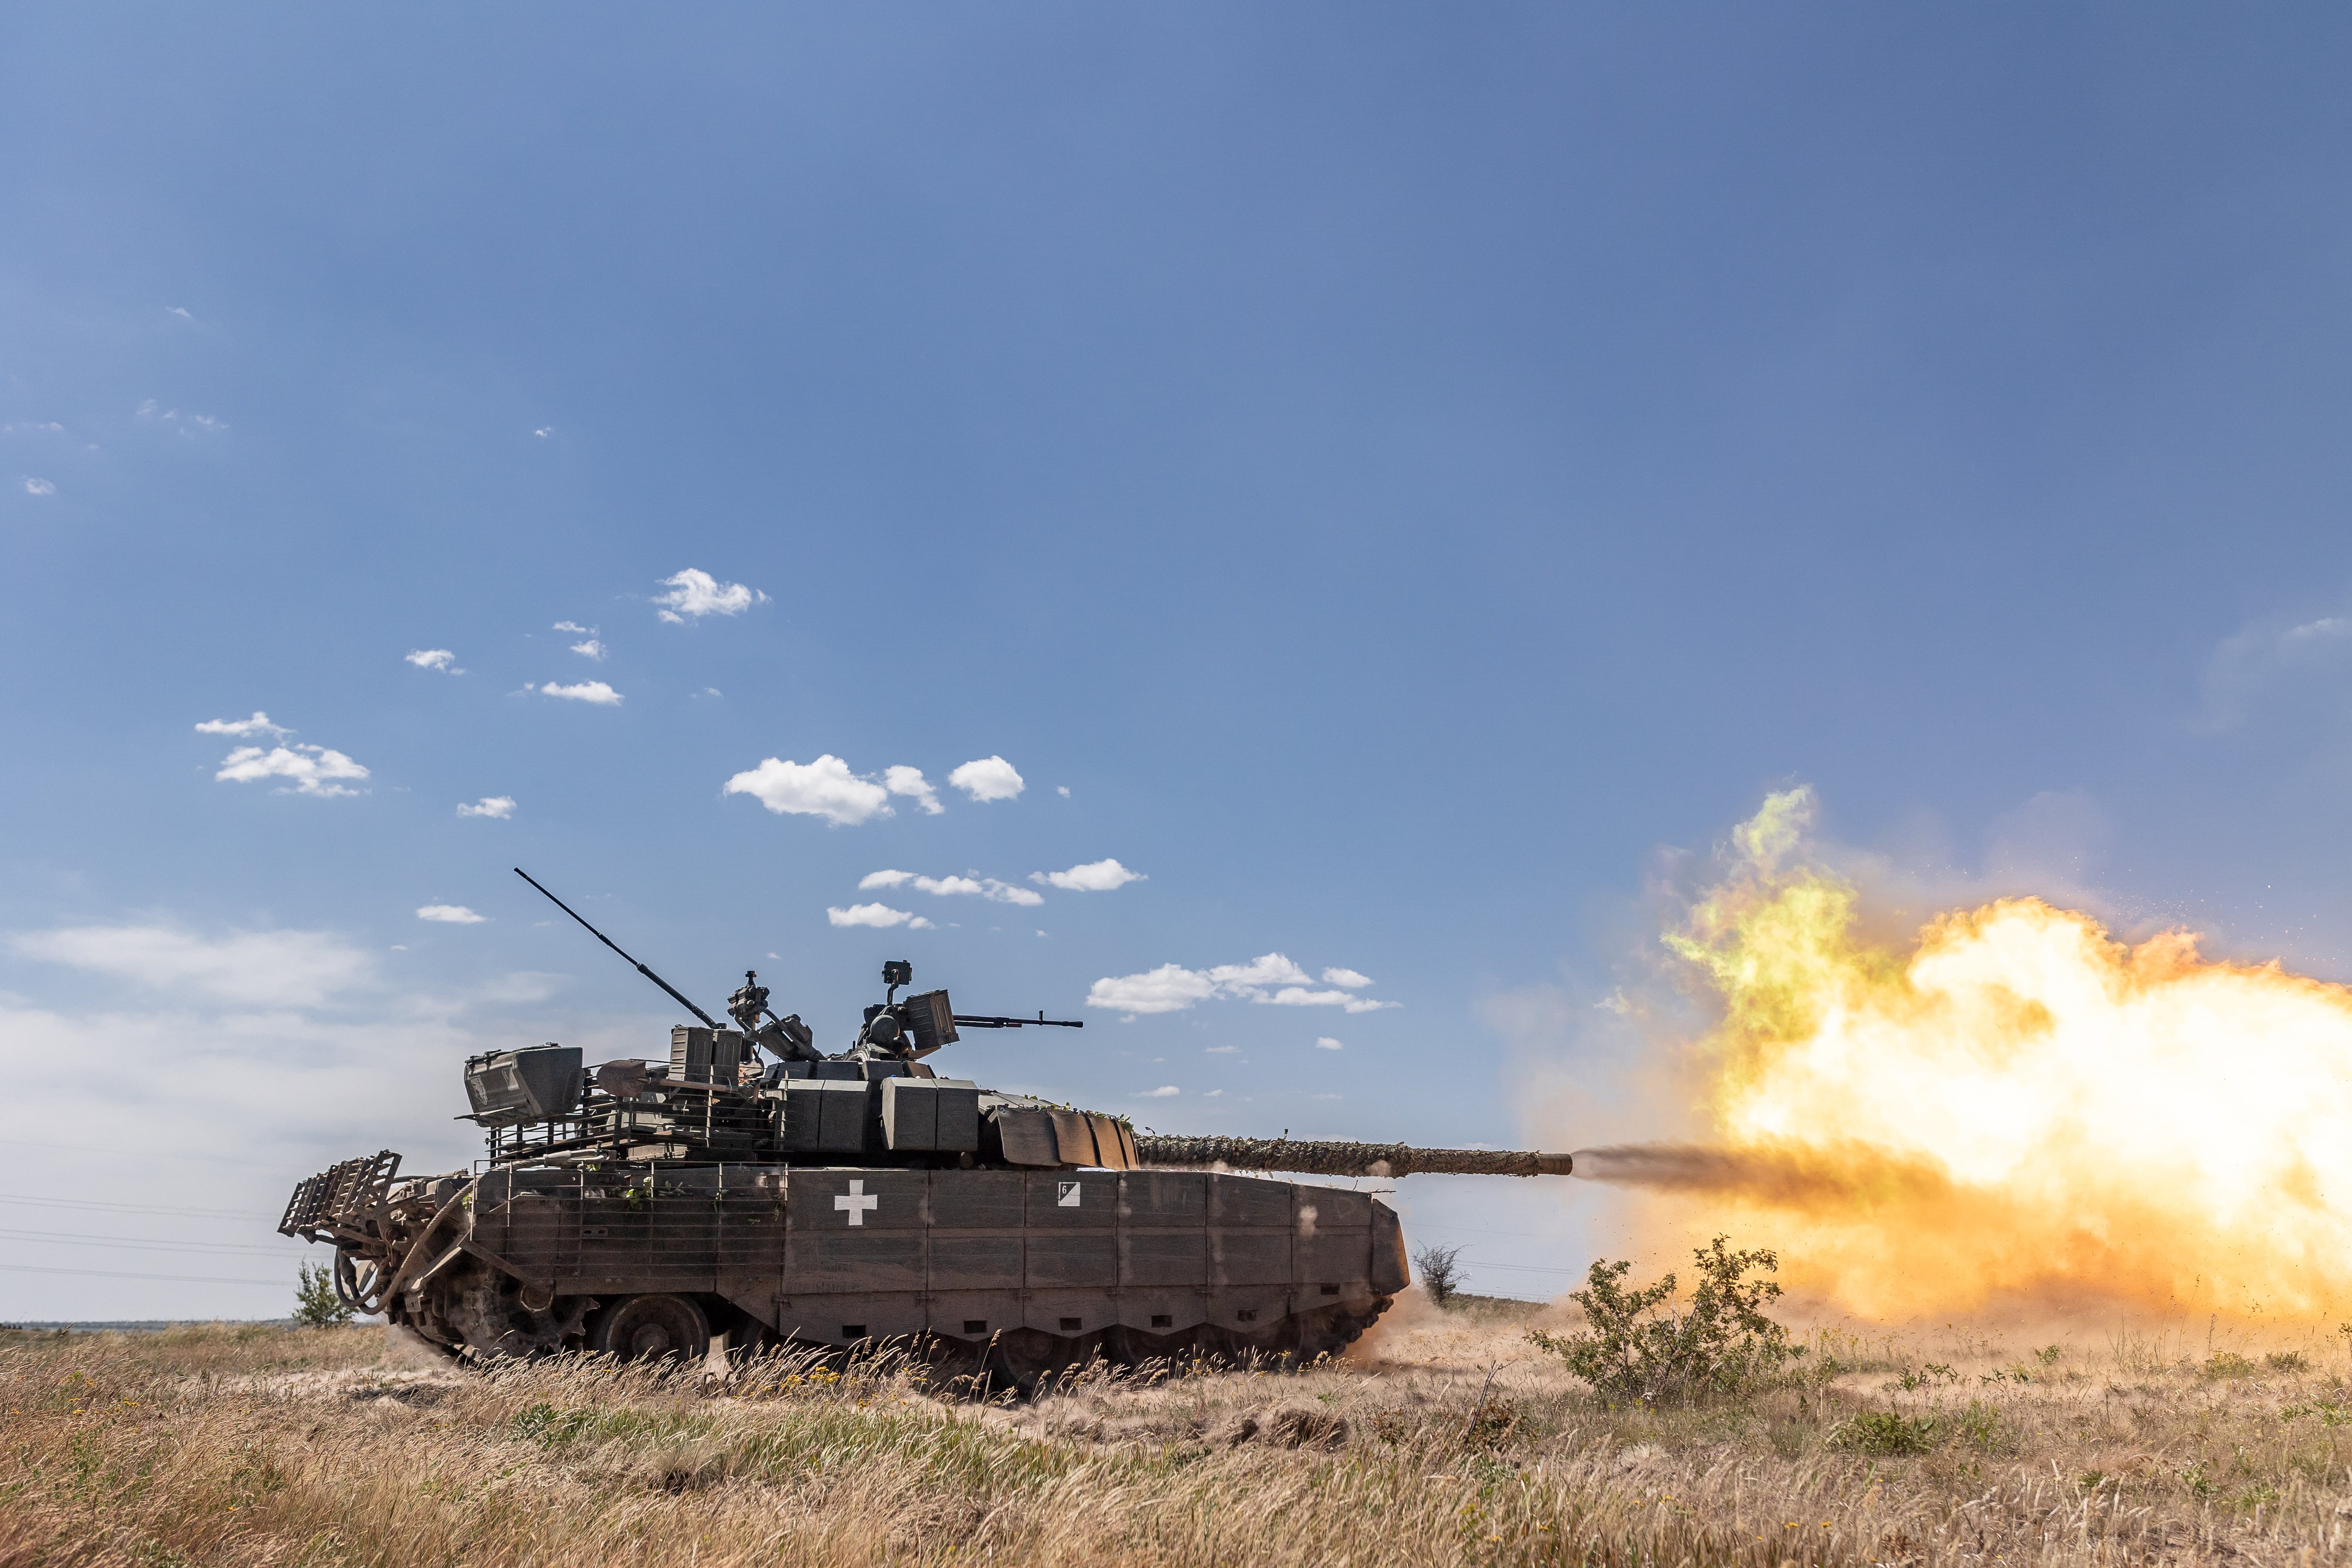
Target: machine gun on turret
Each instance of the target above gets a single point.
(923, 1023)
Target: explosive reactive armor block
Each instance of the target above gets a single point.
(509, 1088)
(705, 1056)
(824, 1116)
(931, 1114)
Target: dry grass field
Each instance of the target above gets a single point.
(1447, 1439)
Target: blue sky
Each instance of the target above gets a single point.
(1397, 471)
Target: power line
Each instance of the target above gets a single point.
(133, 1208)
(1518, 1267)
(116, 1274)
(141, 1243)
(1474, 1230)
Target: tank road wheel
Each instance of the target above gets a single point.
(1333, 1329)
(641, 1328)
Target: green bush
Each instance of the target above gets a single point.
(1981, 1427)
(1886, 1432)
(316, 1303)
(1651, 1347)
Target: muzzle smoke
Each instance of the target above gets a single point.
(1792, 1175)
(2014, 1104)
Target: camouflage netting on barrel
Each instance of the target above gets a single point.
(1339, 1158)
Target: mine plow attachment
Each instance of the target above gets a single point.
(346, 1205)
(1307, 1157)
(340, 1201)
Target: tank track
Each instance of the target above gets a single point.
(474, 1310)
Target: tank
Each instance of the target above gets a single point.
(751, 1189)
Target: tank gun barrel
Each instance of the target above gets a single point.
(1308, 1157)
(674, 992)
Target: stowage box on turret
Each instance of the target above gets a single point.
(638, 1208)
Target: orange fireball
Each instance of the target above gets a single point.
(2018, 1104)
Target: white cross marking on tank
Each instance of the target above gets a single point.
(857, 1201)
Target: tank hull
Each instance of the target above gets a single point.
(1037, 1268)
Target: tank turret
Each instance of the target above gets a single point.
(752, 1188)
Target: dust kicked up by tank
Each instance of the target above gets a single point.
(754, 1186)
(2014, 1103)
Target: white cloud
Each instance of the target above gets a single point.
(1326, 1042)
(2273, 662)
(592, 648)
(575, 629)
(1170, 988)
(900, 779)
(544, 431)
(28, 427)
(694, 594)
(497, 805)
(594, 691)
(259, 724)
(1062, 790)
(987, 778)
(1272, 979)
(1346, 978)
(1272, 969)
(259, 968)
(185, 424)
(988, 887)
(450, 914)
(33, 486)
(440, 659)
(308, 770)
(176, 310)
(282, 1035)
(1165, 1091)
(825, 787)
(1094, 877)
(881, 916)
(1225, 1050)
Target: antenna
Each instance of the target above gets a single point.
(616, 947)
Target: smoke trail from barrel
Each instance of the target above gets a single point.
(1856, 1175)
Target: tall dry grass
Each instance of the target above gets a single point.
(1450, 1441)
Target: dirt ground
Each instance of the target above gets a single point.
(1445, 1437)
